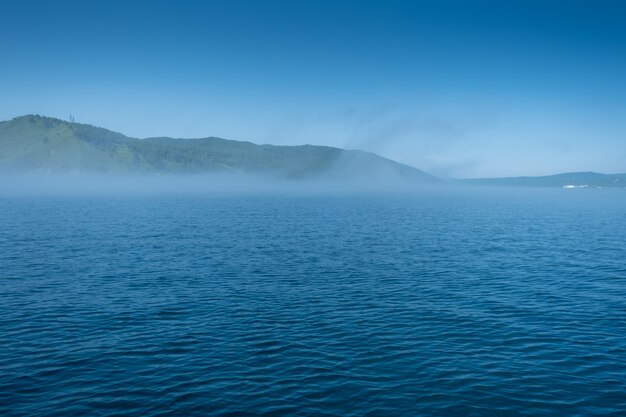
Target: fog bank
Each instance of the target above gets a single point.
(16, 185)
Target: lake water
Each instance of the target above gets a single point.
(482, 303)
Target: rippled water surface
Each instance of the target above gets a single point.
(442, 304)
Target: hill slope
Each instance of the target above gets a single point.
(36, 144)
(571, 179)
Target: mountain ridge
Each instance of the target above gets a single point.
(564, 180)
(40, 144)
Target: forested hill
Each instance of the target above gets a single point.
(37, 144)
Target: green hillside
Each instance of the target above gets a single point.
(36, 144)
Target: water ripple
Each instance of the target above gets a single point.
(439, 305)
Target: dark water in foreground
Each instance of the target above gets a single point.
(454, 304)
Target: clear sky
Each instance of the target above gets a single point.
(457, 88)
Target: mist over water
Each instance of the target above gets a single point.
(312, 209)
(199, 184)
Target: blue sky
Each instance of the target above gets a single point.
(458, 88)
